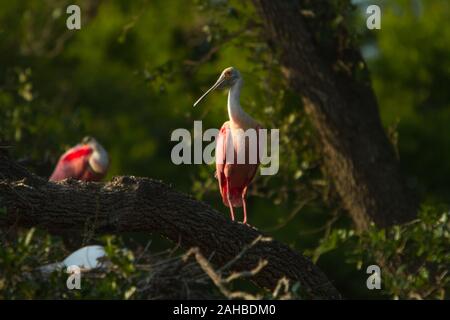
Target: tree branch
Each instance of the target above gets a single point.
(131, 204)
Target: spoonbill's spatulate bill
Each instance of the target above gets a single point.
(234, 177)
(87, 161)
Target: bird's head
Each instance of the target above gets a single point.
(100, 159)
(87, 140)
(227, 78)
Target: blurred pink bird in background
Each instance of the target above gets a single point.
(87, 161)
(234, 177)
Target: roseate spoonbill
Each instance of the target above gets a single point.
(87, 161)
(234, 177)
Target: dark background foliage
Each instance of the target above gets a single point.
(129, 78)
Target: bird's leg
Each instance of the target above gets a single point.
(231, 211)
(244, 204)
(229, 201)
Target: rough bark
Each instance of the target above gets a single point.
(336, 92)
(130, 204)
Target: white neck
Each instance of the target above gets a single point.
(235, 111)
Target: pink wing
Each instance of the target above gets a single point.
(73, 164)
(221, 159)
(236, 176)
(253, 168)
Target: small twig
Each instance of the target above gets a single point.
(283, 282)
(243, 251)
(145, 250)
(247, 274)
(219, 281)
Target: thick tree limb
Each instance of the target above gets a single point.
(130, 204)
(337, 94)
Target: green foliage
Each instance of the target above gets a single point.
(130, 76)
(21, 277)
(412, 52)
(413, 257)
(25, 263)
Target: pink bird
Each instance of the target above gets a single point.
(234, 176)
(87, 161)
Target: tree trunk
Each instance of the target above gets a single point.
(336, 92)
(130, 204)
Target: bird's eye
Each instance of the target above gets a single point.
(228, 74)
